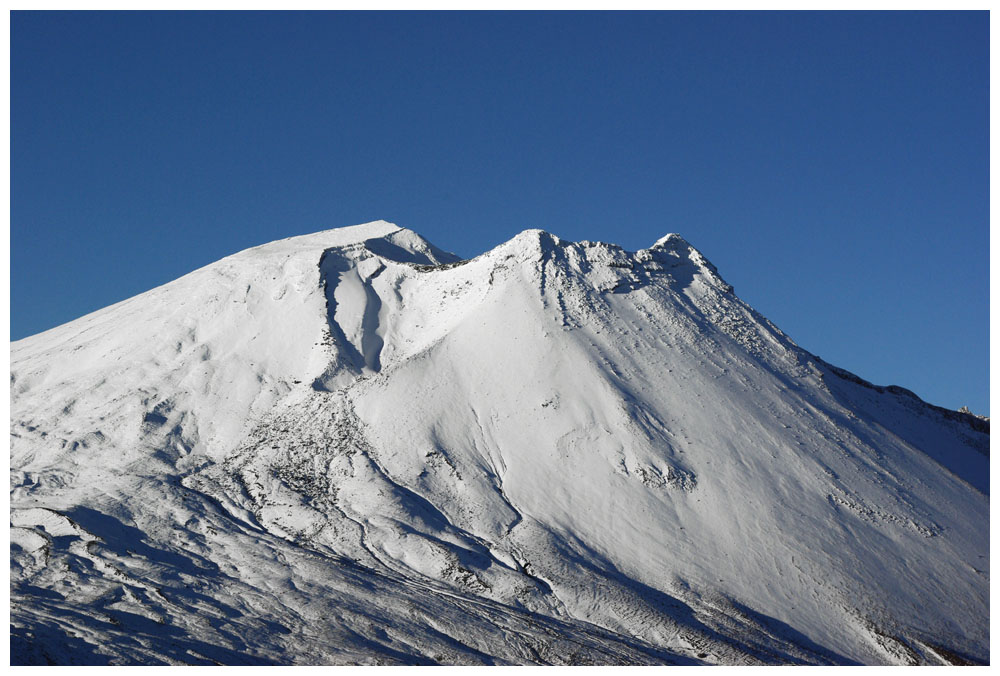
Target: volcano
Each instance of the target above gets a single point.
(353, 447)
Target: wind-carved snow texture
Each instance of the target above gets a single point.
(353, 447)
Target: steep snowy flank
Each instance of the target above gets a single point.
(353, 447)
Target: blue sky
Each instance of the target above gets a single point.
(833, 166)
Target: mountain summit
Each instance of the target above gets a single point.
(354, 447)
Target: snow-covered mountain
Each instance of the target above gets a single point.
(353, 447)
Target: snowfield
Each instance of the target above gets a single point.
(355, 448)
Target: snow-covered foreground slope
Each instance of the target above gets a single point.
(352, 447)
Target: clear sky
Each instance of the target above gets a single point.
(833, 166)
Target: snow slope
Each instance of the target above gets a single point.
(353, 447)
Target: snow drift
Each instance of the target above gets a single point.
(353, 447)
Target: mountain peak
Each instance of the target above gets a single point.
(531, 240)
(351, 234)
(381, 238)
(369, 230)
(670, 240)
